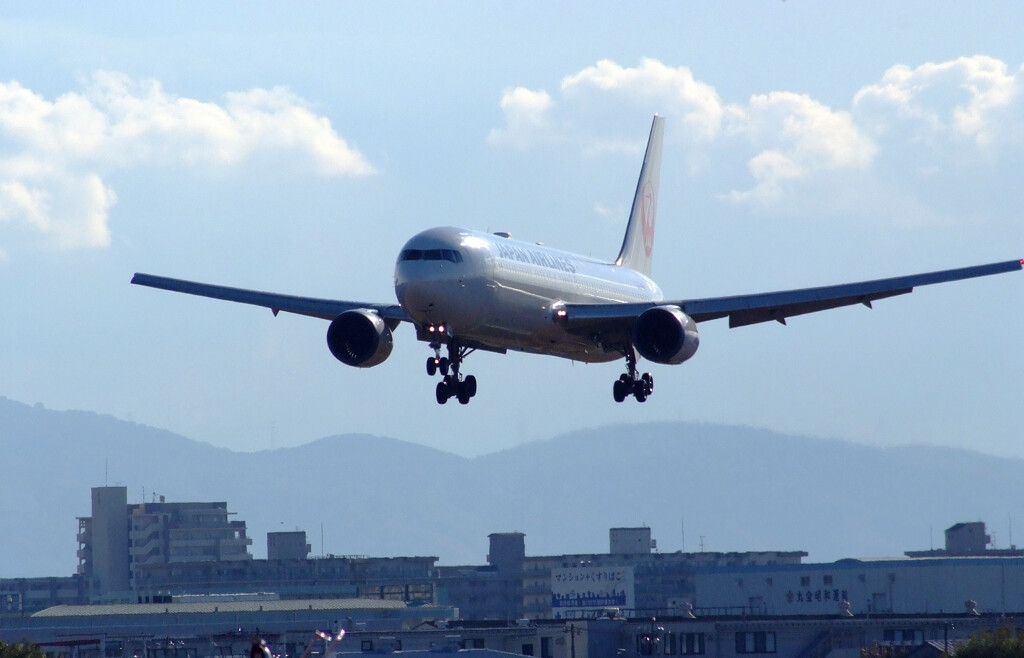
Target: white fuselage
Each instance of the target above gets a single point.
(504, 293)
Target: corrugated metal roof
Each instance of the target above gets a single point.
(218, 607)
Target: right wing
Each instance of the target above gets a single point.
(328, 309)
(613, 322)
(751, 309)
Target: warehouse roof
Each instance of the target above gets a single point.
(123, 609)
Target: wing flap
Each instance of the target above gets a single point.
(328, 309)
(780, 312)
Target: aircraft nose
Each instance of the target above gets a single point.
(414, 296)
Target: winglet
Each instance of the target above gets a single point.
(639, 241)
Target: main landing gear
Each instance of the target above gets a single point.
(629, 384)
(452, 384)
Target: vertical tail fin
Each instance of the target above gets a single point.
(638, 244)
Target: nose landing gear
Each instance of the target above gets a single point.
(629, 383)
(453, 384)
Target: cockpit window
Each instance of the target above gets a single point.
(450, 255)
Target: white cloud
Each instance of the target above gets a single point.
(526, 118)
(670, 90)
(53, 154)
(770, 169)
(965, 98)
(796, 137)
(922, 130)
(607, 212)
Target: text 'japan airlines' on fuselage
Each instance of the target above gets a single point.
(465, 290)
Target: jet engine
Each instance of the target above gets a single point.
(360, 338)
(664, 334)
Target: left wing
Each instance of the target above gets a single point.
(762, 307)
(328, 309)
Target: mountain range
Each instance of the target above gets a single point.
(698, 486)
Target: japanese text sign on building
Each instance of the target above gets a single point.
(592, 588)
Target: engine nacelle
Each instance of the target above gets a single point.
(360, 338)
(664, 334)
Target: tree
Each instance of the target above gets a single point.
(1004, 642)
(20, 650)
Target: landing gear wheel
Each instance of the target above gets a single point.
(631, 382)
(453, 383)
(441, 392)
(619, 390)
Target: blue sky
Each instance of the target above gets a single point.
(295, 148)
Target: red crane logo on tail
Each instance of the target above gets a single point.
(647, 217)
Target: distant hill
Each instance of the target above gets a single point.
(734, 488)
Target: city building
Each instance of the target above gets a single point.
(900, 586)
(965, 539)
(207, 626)
(303, 629)
(408, 579)
(964, 576)
(120, 540)
(287, 545)
(630, 576)
(153, 552)
(193, 591)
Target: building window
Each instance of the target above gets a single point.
(828, 579)
(366, 645)
(527, 650)
(755, 642)
(669, 648)
(805, 581)
(904, 636)
(691, 644)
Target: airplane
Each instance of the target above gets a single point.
(467, 290)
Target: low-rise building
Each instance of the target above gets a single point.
(514, 586)
(898, 586)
